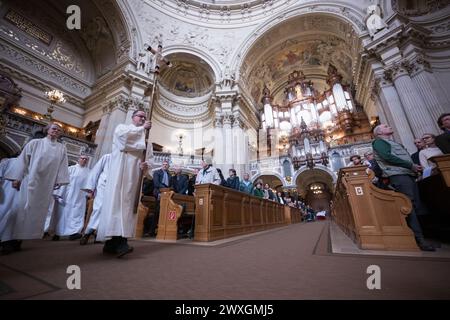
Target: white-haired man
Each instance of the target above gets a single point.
(41, 167)
(208, 174)
(396, 164)
(117, 218)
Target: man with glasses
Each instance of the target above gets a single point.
(117, 219)
(395, 163)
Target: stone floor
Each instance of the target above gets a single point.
(294, 262)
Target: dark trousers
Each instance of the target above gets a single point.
(151, 222)
(407, 185)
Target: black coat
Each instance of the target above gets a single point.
(158, 176)
(180, 183)
(443, 142)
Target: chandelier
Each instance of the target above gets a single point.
(55, 96)
(309, 117)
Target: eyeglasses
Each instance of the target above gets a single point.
(143, 117)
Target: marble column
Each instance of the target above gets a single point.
(101, 132)
(117, 116)
(391, 102)
(218, 143)
(415, 108)
(229, 147)
(240, 146)
(434, 101)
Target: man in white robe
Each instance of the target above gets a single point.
(71, 202)
(41, 167)
(118, 219)
(95, 185)
(8, 195)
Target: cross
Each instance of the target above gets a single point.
(159, 58)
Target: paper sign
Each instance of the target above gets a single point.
(359, 191)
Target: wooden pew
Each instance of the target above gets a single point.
(443, 165)
(222, 213)
(372, 217)
(170, 212)
(434, 193)
(145, 207)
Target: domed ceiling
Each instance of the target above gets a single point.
(189, 76)
(307, 43)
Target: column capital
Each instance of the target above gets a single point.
(398, 69)
(419, 63)
(228, 119)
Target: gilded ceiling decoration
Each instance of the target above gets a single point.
(308, 43)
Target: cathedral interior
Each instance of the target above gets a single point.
(286, 91)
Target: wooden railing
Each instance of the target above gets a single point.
(372, 217)
(222, 213)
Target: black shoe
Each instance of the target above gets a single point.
(85, 239)
(55, 238)
(46, 235)
(123, 251)
(426, 247)
(8, 247)
(75, 236)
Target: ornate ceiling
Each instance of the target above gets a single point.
(189, 76)
(308, 43)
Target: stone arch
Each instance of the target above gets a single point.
(212, 63)
(319, 167)
(269, 173)
(8, 147)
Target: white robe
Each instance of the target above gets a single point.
(71, 205)
(8, 196)
(41, 165)
(122, 186)
(97, 181)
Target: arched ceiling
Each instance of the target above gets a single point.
(85, 54)
(189, 75)
(307, 177)
(308, 43)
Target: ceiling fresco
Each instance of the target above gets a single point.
(189, 76)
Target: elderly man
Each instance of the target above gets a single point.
(161, 179)
(117, 218)
(72, 202)
(396, 163)
(41, 167)
(208, 174)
